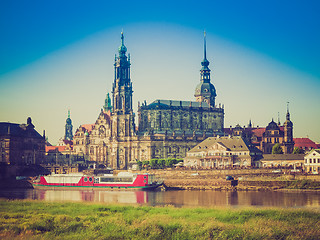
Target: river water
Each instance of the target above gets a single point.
(174, 198)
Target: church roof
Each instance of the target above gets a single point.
(166, 104)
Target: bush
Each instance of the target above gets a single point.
(158, 163)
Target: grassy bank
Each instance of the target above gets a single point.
(52, 220)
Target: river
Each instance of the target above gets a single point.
(174, 198)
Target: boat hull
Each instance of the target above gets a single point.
(141, 181)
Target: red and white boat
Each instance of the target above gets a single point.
(121, 181)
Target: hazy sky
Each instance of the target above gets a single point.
(59, 55)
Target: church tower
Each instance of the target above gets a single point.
(122, 86)
(205, 91)
(68, 128)
(288, 134)
(122, 116)
(107, 104)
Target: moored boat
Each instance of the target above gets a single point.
(121, 181)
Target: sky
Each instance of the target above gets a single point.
(59, 55)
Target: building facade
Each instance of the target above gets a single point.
(312, 161)
(166, 128)
(21, 144)
(222, 152)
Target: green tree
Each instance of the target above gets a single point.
(154, 163)
(169, 162)
(161, 163)
(276, 149)
(298, 150)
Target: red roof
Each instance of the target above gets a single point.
(55, 148)
(305, 143)
(259, 131)
(88, 127)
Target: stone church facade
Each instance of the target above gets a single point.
(166, 128)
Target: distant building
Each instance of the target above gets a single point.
(282, 160)
(222, 152)
(61, 154)
(306, 144)
(167, 128)
(266, 138)
(21, 144)
(312, 161)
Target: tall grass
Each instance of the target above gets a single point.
(53, 220)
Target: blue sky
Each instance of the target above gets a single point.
(56, 55)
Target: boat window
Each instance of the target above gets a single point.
(85, 179)
(90, 179)
(114, 179)
(145, 177)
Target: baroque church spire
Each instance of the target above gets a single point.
(107, 104)
(288, 133)
(68, 128)
(205, 91)
(122, 85)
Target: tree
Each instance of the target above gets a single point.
(276, 149)
(161, 163)
(154, 163)
(298, 150)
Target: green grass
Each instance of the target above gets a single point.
(54, 220)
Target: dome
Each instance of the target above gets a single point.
(272, 126)
(205, 89)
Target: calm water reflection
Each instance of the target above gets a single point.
(175, 198)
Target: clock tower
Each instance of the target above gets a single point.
(205, 91)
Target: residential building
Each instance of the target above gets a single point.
(222, 152)
(312, 161)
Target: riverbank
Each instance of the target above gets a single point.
(248, 179)
(53, 220)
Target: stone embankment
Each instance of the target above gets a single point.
(248, 179)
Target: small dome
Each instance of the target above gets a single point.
(205, 89)
(272, 126)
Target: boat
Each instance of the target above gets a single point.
(123, 180)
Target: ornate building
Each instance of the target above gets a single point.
(167, 128)
(265, 138)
